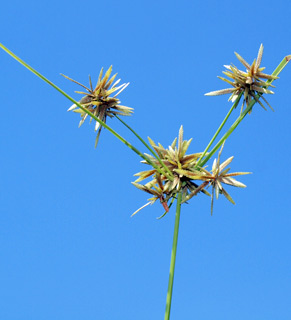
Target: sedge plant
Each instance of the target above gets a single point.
(173, 175)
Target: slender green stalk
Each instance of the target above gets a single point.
(219, 128)
(118, 136)
(280, 67)
(170, 176)
(276, 72)
(173, 258)
(226, 135)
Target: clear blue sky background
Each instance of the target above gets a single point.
(68, 247)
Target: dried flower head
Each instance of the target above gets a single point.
(180, 165)
(249, 82)
(99, 102)
(220, 175)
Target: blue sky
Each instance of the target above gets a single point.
(68, 247)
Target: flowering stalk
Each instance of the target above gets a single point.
(118, 136)
(202, 161)
(249, 107)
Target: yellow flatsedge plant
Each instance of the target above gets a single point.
(174, 175)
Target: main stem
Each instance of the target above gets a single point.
(173, 258)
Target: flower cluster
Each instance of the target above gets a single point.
(164, 186)
(220, 175)
(184, 175)
(99, 102)
(249, 83)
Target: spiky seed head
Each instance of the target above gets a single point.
(99, 100)
(249, 83)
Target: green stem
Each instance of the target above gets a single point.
(219, 129)
(170, 176)
(280, 67)
(276, 72)
(226, 135)
(173, 258)
(118, 136)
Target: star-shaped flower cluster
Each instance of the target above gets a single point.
(250, 83)
(99, 102)
(162, 186)
(184, 175)
(219, 175)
